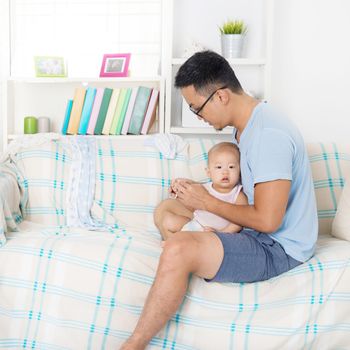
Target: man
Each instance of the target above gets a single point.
(280, 219)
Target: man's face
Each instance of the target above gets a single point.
(208, 109)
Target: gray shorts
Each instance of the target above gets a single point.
(251, 256)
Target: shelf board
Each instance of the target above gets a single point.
(156, 78)
(232, 61)
(14, 136)
(203, 131)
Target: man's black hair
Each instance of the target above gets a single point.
(206, 71)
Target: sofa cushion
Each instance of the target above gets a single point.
(198, 157)
(43, 173)
(329, 162)
(341, 223)
(131, 180)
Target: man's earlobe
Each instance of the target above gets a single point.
(223, 96)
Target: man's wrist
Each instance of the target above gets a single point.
(208, 202)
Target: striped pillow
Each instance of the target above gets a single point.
(44, 174)
(341, 223)
(329, 164)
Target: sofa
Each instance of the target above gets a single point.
(79, 252)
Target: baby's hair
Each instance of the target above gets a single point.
(224, 146)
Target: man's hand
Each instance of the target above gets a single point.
(192, 195)
(173, 189)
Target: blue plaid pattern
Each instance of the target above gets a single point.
(10, 200)
(68, 288)
(329, 164)
(43, 174)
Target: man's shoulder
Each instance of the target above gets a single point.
(273, 119)
(272, 124)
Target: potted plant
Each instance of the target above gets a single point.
(232, 35)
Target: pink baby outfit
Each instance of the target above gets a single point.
(205, 218)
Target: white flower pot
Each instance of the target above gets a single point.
(231, 45)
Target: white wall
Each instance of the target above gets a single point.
(83, 30)
(4, 59)
(311, 66)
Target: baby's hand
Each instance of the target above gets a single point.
(173, 189)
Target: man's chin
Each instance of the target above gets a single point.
(218, 129)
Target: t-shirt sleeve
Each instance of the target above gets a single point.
(272, 158)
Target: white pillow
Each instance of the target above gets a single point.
(341, 222)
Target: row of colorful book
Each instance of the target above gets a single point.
(106, 111)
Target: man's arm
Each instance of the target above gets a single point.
(265, 215)
(231, 227)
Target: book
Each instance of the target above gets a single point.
(78, 102)
(110, 112)
(95, 111)
(123, 112)
(103, 111)
(86, 112)
(150, 116)
(139, 111)
(117, 111)
(129, 110)
(67, 117)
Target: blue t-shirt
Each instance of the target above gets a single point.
(271, 149)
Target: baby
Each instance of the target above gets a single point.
(224, 172)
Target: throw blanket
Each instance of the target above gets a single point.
(10, 201)
(81, 187)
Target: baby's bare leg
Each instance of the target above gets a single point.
(170, 216)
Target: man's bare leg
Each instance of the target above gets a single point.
(183, 254)
(170, 216)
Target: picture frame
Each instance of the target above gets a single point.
(50, 66)
(115, 65)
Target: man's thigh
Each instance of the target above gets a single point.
(250, 256)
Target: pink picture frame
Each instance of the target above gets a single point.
(115, 65)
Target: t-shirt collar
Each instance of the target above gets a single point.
(248, 127)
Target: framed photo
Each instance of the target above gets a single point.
(49, 66)
(115, 65)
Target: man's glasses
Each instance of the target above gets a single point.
(196, 111)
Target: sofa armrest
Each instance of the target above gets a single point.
(10, 199)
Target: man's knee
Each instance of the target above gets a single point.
(178, 252)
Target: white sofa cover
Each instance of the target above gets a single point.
(66, 287)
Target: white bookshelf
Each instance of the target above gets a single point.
(48, 97)
(184, 20)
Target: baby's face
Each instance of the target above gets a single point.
(223, 170)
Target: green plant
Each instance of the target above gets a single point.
(233, 27)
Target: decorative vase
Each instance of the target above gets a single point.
(30, 125)
(231, 45)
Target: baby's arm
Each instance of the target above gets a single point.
(231, 227)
